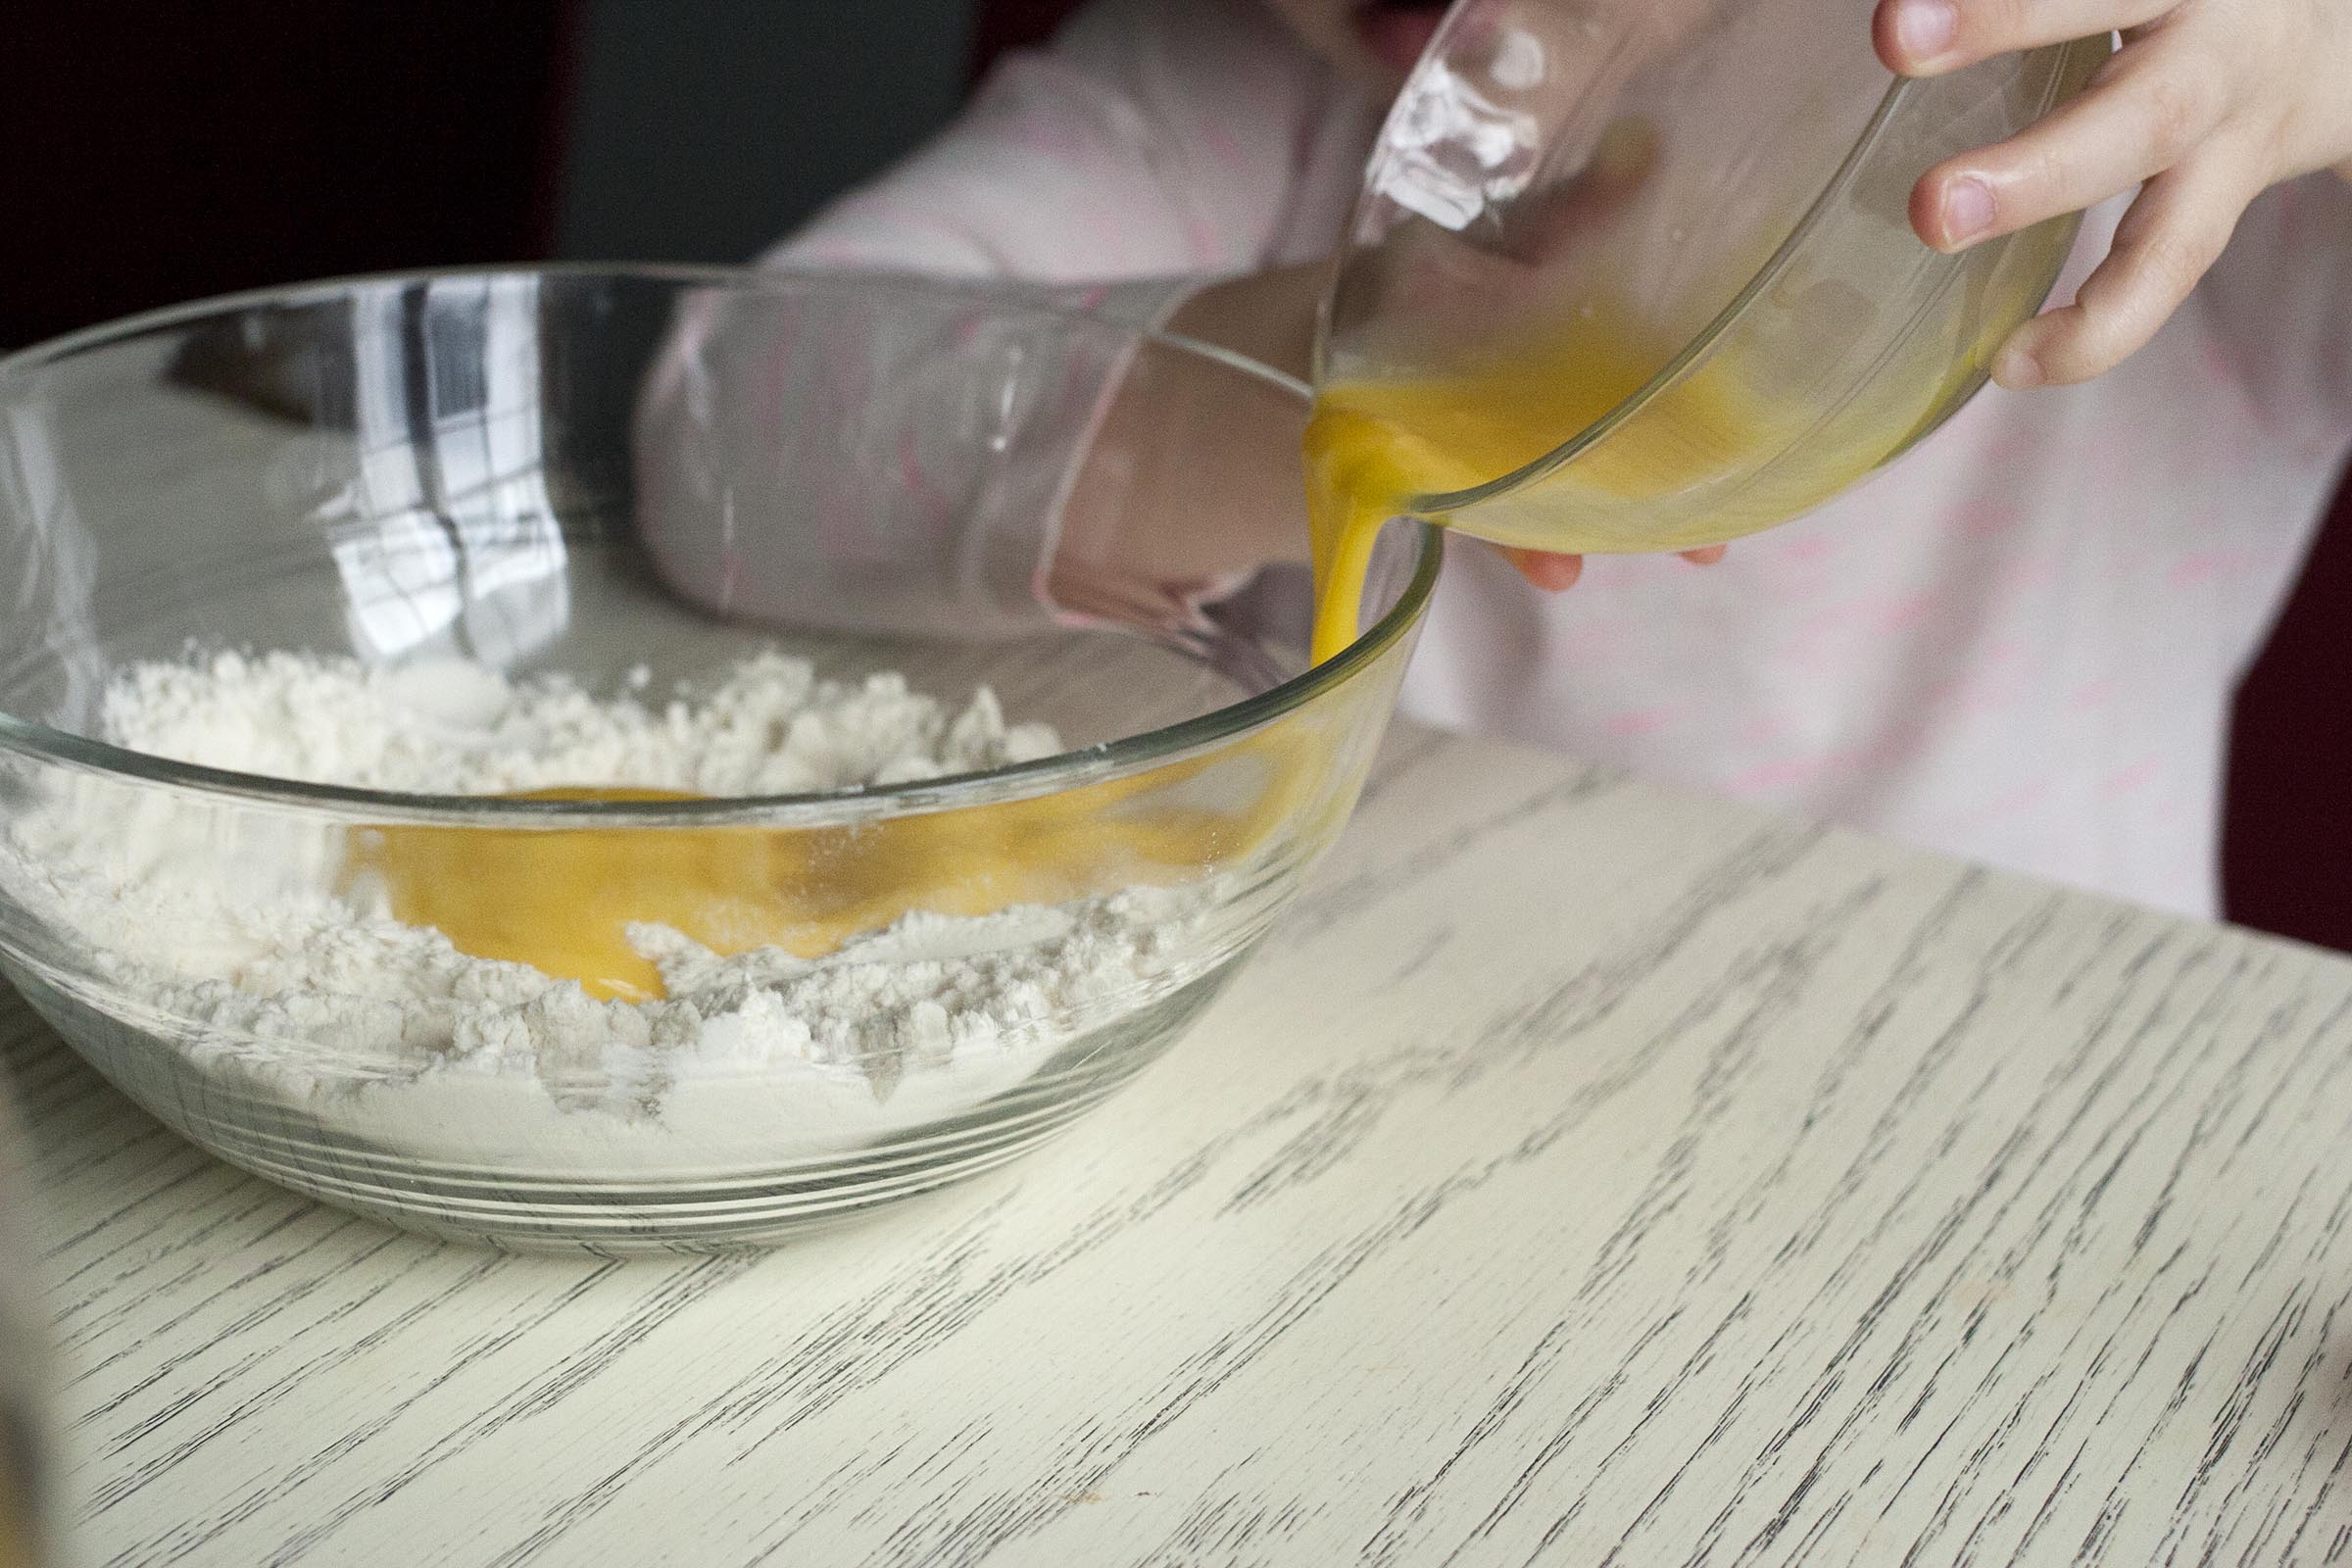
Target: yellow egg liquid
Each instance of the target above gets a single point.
(562, 900)
(1376, 450)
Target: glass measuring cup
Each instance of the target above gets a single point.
(1638, 275)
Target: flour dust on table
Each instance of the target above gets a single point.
(279, 972)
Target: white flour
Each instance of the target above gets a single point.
(771, 727)
(224, 930)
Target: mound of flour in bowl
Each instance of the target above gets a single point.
(769, 727)
(259, 968)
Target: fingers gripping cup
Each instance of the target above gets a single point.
(1638, 275)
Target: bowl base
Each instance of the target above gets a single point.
(546, 1211)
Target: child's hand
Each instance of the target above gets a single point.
(2209, 102)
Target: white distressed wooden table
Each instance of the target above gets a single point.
(1584, 1174)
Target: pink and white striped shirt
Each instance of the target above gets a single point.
(2017, 643)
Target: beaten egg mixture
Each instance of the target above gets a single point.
(562, 900)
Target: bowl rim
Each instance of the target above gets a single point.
(2067, 57)
(1018, 780)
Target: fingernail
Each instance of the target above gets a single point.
(2017, 370)
(1967, 209)
(1545, 570)
(1924, 27)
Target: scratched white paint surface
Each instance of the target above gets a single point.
(1584, 1172)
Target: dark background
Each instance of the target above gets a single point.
(157, 152)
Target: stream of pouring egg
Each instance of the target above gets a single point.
(1705, 457)
(1375, 448)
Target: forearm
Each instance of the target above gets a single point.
(1187, 487)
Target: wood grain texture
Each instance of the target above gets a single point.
(1584, 1174)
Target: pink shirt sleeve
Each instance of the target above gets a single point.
(1151, 138)
(1154, 144)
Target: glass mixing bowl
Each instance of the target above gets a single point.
(635, 480)
(1646, 265)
